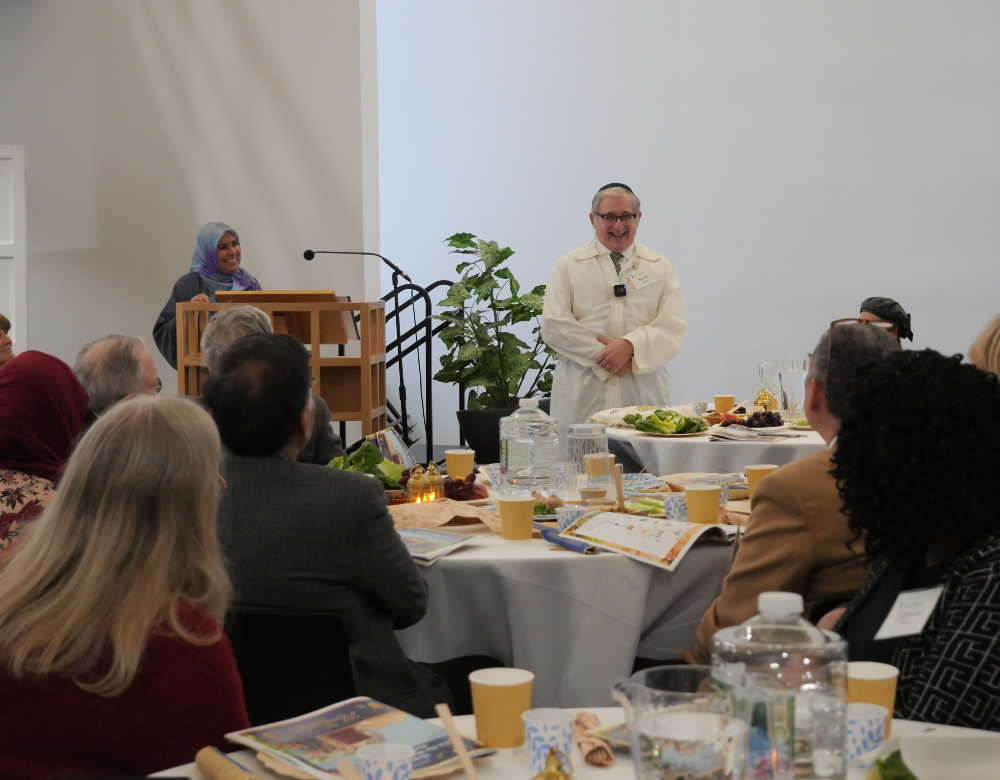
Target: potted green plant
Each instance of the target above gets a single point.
(485, 355)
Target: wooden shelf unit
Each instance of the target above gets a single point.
(353, 387)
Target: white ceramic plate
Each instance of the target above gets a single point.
(672, 435)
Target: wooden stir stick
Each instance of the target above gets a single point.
(444, 712)
(619, 487)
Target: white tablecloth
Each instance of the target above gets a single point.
(576, 621)
(513, 764)
(661, 455)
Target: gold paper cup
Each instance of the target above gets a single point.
(460, 463)
(723, 403)
(703, 503)
(756, 473)
(499, 698)
(516, 516)
(872, 683)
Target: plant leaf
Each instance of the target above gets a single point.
(461, 241)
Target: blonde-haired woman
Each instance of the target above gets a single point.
(111, 656)
(984, 353)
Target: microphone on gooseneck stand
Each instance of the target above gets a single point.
(310, 254)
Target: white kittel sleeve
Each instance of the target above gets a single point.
(561, 330)
(657, 343)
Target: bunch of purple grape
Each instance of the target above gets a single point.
(464, 490)
(768, 419)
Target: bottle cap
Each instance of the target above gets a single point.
(532, 402)
(779, 602)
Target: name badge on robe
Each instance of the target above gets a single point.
(910, 613)
(640, 279)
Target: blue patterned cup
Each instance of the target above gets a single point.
(700, 407)
(546, 728)
(386, 761)
(865, 728)
(493, 470)
(567, 515)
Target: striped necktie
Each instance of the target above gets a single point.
(616, 259)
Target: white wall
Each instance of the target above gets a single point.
(792, 158)
(144, 120)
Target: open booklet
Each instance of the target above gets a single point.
(426, 545)
(316, 742)
(654, 540)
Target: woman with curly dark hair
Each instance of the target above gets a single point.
(919, 486)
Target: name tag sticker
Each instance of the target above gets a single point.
(910, 613)
(640, 279)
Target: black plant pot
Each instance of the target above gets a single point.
(481, 429)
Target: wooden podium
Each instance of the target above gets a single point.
(353, 387)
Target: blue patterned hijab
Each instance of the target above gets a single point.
(205, 261)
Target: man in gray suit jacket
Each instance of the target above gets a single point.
(306, 538)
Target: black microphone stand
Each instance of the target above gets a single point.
(309, 254)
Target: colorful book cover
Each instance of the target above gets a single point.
(661, 542)
(316, 742)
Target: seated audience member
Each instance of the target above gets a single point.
(228, 326)
(303, 538)
(878, 309)
(111, 656)
(945, 534)
(112, 369)
(984, 353)
(6, 342)
(796, 536)
(42, 408)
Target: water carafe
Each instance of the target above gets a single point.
(788, 679)
(679, 725)
(529, 448)
(787, 384)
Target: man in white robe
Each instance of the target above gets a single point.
(615, 313)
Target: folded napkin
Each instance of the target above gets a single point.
(594, 749)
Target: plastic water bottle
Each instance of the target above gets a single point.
(529, 448)
(788, 679)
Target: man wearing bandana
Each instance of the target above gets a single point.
(615, 313)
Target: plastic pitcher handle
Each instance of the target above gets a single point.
(767, 385)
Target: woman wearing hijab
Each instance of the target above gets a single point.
(215, 266)
(42, 406)
(878, 309)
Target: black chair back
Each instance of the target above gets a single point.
(291, 664)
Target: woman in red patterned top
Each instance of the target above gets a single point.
(111, 656)
(42, 406)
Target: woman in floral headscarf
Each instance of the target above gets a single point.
(215, 266)
(42, 405)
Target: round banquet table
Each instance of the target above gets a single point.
(576, 621)
(662, 455)
(513, 763)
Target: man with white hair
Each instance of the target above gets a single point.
(112, 369)
(615, 313)
(235, 323)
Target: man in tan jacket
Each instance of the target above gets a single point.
(796, 537)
